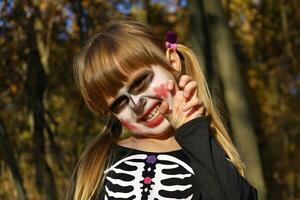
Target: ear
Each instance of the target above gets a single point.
(174, 59)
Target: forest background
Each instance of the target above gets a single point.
(248, 48)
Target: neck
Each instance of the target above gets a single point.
(164, 142)
(165, 136)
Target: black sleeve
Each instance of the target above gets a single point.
(248, 191)
(220, 179)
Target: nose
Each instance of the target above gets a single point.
(137, 103)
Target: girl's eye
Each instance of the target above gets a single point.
(119, 104)
(143, 83)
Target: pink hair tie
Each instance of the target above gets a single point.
(171, 46)
(171, 40)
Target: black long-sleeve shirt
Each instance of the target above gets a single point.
(199, 171)
(146, 175)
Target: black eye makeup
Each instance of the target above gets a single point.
(119, 104)
(137, 84)
(141, 82)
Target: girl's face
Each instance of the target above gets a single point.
(136, 104)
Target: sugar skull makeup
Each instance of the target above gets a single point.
(137, 103)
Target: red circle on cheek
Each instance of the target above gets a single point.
(161, 91)
(126, 123)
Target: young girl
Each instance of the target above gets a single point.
(178, 147)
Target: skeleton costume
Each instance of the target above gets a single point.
(198, 171)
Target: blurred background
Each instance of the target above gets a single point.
(248, 48)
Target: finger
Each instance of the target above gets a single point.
(164, 108)
(192, 103)
(189, 89)
(171, 87)
(184, 79)
(197, 111)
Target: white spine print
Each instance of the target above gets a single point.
(138, 161)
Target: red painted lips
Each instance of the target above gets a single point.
(155, 122)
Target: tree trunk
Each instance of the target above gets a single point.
(56, 152)
(36, 85)
(235, 97)
(77, 6)
(11, 161)
(36, 81)
(198, 36)
(199, 39)
(148, 10)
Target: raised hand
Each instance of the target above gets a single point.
(185, 104)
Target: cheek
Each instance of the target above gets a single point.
(129, 125)
(125, 119)
(161, 91)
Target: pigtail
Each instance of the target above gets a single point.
(192, 68)
(88, 177)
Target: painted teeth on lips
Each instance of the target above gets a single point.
(153, 113)
(150, 113)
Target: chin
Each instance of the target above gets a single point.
(155, 132)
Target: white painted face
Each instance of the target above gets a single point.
(137, 103)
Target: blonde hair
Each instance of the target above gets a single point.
(101, 69)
